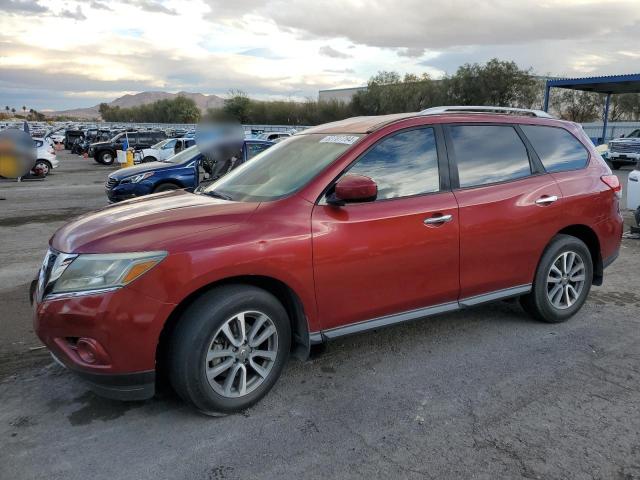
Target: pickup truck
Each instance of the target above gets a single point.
(625, 150)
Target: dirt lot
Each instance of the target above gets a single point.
(484, 393)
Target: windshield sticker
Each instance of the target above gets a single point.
(344, 139)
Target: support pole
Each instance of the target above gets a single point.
(606, 116)
(547, 91)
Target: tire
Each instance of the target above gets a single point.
(615, 165)
(541, 303)
(106, 157)
(166, 187)
(194, 339)
(149, 159)
(44, 166)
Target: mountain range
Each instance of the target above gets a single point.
(203, 102)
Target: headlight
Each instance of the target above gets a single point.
(90, 272)
(137, 178)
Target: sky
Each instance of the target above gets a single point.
(58, 54)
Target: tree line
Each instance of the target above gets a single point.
(177, 110)
(496, 82)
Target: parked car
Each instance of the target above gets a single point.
(105, 152)
(70, 136)
(345, 227)
(45, 157)
(165, 149)
(273, 136)
(187, 169)
(624, 150)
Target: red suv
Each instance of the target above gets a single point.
(342, 228)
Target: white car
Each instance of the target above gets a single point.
(45, 157)
(274, 136)
(165, 149)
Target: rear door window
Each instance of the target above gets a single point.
(488, 154)
(402, 164)
(558, 150)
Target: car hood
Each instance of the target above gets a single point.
(148, 223)
(145, 167)
(100, 144)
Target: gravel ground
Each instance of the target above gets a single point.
(484, 393)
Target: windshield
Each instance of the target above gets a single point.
(283, 168)
(183, 156)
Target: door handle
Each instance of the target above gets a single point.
(438, 220)
(546, 200)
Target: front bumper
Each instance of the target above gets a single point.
(127, 191)
(124, 387)
(125, 326)
(624, 157)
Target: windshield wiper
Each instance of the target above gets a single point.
(213, 193)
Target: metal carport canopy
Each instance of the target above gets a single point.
(609, 85)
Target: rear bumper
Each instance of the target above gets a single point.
(124, 386)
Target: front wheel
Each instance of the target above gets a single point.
(149, 159)
(42, 168)
(562, 282)
(229, 348)
(106, 158)
(615, 165)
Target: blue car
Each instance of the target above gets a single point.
(184, 170)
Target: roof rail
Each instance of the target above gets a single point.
(486, 109)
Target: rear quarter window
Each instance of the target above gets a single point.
(558, 149)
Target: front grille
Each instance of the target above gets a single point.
(626, 147)
(111, 182)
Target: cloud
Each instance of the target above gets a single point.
(414, 25)
(151, 6)
(328, 51)
(77, 15)
(22, 7)
(96, 5)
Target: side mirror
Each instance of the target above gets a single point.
(353, 188)
(622, 136)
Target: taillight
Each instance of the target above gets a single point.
(613, 183)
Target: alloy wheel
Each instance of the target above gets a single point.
(241, 354)
(565, 280)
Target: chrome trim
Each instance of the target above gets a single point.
(438, 220)
(82, 293)
(496, 295)
(547, 200)
(388, 320)
(485, 109)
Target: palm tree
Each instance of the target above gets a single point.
(13, 110)
(24, 109)
(7, 108)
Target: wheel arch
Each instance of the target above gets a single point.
(285, 294)
(171, 181)
(591, 240)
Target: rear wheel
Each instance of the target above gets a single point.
(562, 281)
(615, 165)
(149, 159)
(229, 348)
